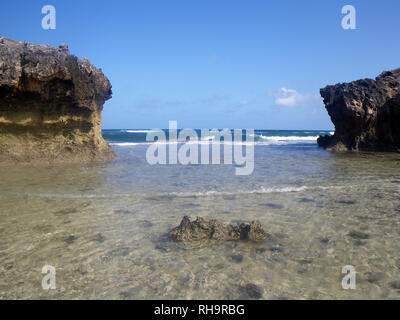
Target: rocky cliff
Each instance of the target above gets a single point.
(50, 105)
(366, 114)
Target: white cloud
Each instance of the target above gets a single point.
(291, 98)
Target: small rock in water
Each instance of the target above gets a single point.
(271, 205)
(70, 239)
(395, 284)
(324, 240)
(358, 235)
(276, 249)
(252, 291)
(201, 229)
(306, 200)
(359, 243)
(160, 248)
(348, 202)
(237, 258)
(305, 261)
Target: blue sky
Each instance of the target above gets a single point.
(217, 63)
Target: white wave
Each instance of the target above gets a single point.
(136, 131)
(289, 138)
(212, 142)
(262, 190)
(128, 144)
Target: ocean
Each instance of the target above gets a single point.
(131, 137)
(103, 226)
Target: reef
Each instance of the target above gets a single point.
(202, 229)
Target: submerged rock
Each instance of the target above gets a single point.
(50, 105)
(366, 114)
(252, 291)
(358, 235)
(238, 258)
(201, 229)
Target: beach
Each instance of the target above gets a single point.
(103, 226)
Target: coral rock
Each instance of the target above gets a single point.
(201, 229)
(366, 114)
(50, 105)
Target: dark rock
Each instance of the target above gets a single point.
(50, 105)
(70, 239)
(324, 141)
(366, 114)
(305, 261)
(348, 202)
(271, 205)
(359, 243)
(201, 229)
(237, 258)
(324, 240)
(252, 291)
(276, 249)
(306, 200)
(161, 248)
(358, 235)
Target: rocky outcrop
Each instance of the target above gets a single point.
(366, 114)
(50, 105)
(201, 229)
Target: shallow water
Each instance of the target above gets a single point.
(103, 227)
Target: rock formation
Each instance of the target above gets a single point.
(201, 229)
(50, 105)
(366, 114)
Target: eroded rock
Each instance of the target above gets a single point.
(50, 105)
(366, 114)
(202, 229)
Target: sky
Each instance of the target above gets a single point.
(217, 63)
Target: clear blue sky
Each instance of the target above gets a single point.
(217, 63)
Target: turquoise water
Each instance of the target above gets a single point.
(103, 226)
(262, 137)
